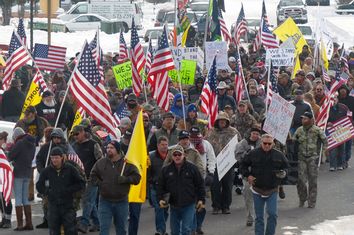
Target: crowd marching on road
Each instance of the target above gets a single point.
(78, 133)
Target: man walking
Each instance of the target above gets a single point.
(264, 168)
(306, 140)
(114, 176)
(181, 185)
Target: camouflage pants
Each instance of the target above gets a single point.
(308, 172)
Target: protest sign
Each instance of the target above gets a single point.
(184, 53)
(226, 158)
(279, 117)
(123, 74)
(280, 56)
(200, 58)
(186, 74)
(340, 132)
(219, 48)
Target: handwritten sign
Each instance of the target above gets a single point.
(200, 58)
(280, 56)
(220, 50)
(226, 158)
(279, 117)
(184, 53)
(123, 75)
(340, 132)
(187, 73)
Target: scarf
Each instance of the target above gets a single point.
(197, 141)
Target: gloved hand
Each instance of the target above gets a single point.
(122, 179)
(280, 174)
(200, 205)
(163, 204)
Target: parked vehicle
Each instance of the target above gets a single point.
(161, 15)
(110, 9)
(316, 2)
(169, 17)
(307, 32)
(199, 8)
(153, 33)
(89, 22)
(344, 9)
(295, 9)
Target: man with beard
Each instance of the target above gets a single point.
(46, 108)
(133, 106)
(114, 176)
(33, 124)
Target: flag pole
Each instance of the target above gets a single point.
(62, 103)
(243, 77)
(268, 80)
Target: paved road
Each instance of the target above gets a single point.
(336, 198)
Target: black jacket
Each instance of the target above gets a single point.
(12, 102)
(156, 163)
(263, 166)
(224, 100)
(60, 185)
(185, 186)
(300, 108)
(22, 155)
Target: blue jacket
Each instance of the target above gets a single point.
(178, 110)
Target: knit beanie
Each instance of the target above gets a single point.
(18, 131)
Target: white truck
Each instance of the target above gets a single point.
(114, 10)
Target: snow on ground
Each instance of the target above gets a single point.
(340, 27)
(343, 226)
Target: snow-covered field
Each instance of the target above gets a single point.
(340, 27)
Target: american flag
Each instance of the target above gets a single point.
(344, 123)
(121, 112)
(325, 75)
(264, 17)
(149, 58)
(49, 58)
(163, 62)
(94, 46)
(239, 86)
(87, 87)
(138, 60)
(72, 156)
(209, 98)
(267, 38)
(223, 28)
(18, 57)
(241, 26)
(123, 51)
(21, 32)
(323, 114)
(7, 177)
(344, 60)
(272, 84)
(39, 80)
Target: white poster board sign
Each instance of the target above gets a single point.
(328, 44)
(280, 56)
(184, 53)
(279, 117)
(219, 49)
(226, 158)
(200, 60)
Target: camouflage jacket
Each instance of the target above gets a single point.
(243, 123)
(307, 139)
(219, 138)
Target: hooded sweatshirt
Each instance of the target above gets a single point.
(178, 110)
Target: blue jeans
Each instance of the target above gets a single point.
(134, 215)
(337, 156)
(21, 191)
(89, 206)
(348, 149)
(181, 220)
(271, 208)
(161, 214)
(116, 210)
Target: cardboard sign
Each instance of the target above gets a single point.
(340, 132)
(220, 50)
(123, 75)
(280, 56)
(279, 118)
(226, 158)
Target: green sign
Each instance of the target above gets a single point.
(123, 75)
(187, 73)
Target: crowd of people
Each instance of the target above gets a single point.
(81, 168)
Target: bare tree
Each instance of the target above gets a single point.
(6, 11)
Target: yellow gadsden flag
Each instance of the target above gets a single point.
(79, 115)
(32, 99)
(290, 29)
(137, 155)
(324, 55)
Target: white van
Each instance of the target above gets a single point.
(110, 9)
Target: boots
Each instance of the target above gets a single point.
(28, 215)
(19, 218)
(6, 223)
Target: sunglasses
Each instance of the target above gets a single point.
(177, 154)
(265, 143)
